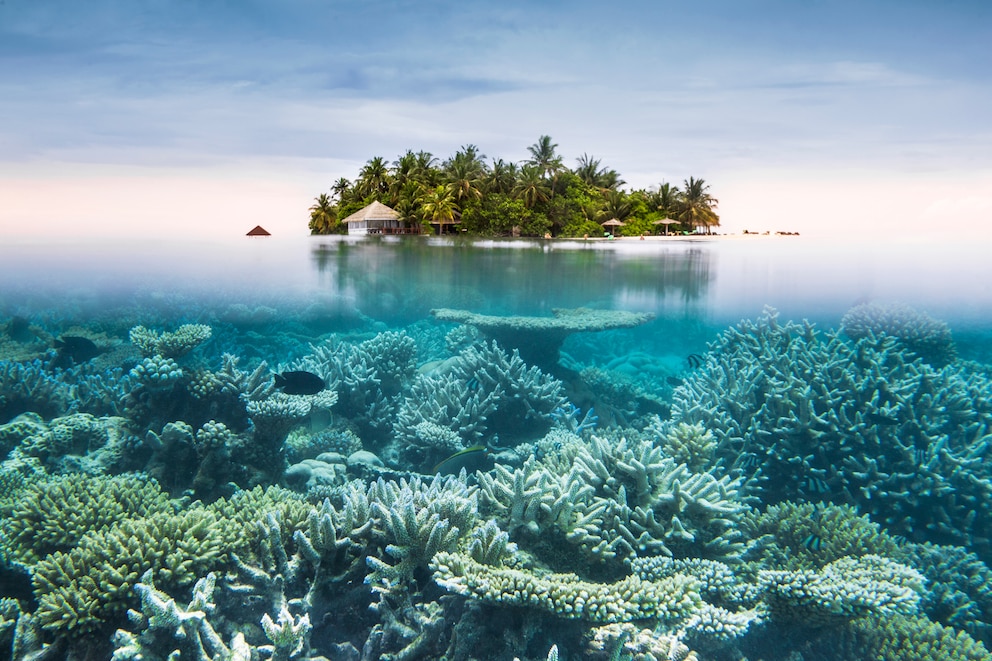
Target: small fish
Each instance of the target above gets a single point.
(748, 461)
(694, 360)
(673, 381)
(878, 419)
(473, 384)
(299, 383)
(74, 349)
(813, 542)
(470, 459)
(817, 485)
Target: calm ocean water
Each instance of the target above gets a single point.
(818, 419)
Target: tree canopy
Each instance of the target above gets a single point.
(535, 197)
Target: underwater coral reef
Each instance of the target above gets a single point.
(447, 492)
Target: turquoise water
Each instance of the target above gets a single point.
(742, 447)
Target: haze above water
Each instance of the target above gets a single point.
(715, 282)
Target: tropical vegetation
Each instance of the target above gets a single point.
(537, 197)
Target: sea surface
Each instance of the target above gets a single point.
(717, 448)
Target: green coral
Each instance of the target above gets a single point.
(566, 595)
(808, 536)
(905, 638)
(54, 514)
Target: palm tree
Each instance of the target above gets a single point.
(438, 206)
(531, 186)
(465, 172)
(341, 189)
(588, 169)
(615, 205)
(544, 157)
(502, 177)
(323, 215)
(373, 179)
(695, 205)
(665, 199)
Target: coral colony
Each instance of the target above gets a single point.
(796, 494)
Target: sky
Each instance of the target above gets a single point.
(152, 117)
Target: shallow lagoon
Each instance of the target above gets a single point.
(358, 313)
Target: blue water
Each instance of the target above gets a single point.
(826, 446)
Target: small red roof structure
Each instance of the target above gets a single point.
(259, 231)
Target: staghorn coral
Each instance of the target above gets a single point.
(821, 418)
(691, 445)
(30, 387)
(174, 344)
(628, 641)
(368, 376)
(918, 332)
(484, 395)
(959, 587)
(614, 501)
(187, 632)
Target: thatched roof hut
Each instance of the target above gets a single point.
(258, 230)
(376, 218)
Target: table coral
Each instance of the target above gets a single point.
(174, 344)
(921, 334)
(539, 339)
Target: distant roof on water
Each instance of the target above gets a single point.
(259, 231)
(375, 211)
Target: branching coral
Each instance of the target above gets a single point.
(174, 344)
(566, 594)
(853, 422)
(918, 332)
(483, 395)
(617, 501)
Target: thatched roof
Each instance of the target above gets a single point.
(258, 230)
(375, 211)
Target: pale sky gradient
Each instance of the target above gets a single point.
(149, 116)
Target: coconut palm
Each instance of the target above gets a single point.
(465, 172)
(544, 157)
(501, 177)
(615, 205)
(695, 205)
(323, 215)
(341, 190)
(531, 186)
(373, 179)
(665, 199)
(438, 206)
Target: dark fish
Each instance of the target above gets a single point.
(19, 329)
(470, 459)
(878, 419)
(299, 383)
(694, 360)
(813, 542)
(673, 381)
(74, 349)
(473, 384)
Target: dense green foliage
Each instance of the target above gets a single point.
(537, 197)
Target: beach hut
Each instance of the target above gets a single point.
(258, 230)
(377, 218)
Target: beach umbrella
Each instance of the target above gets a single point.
(613, 223)
(666, 222)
